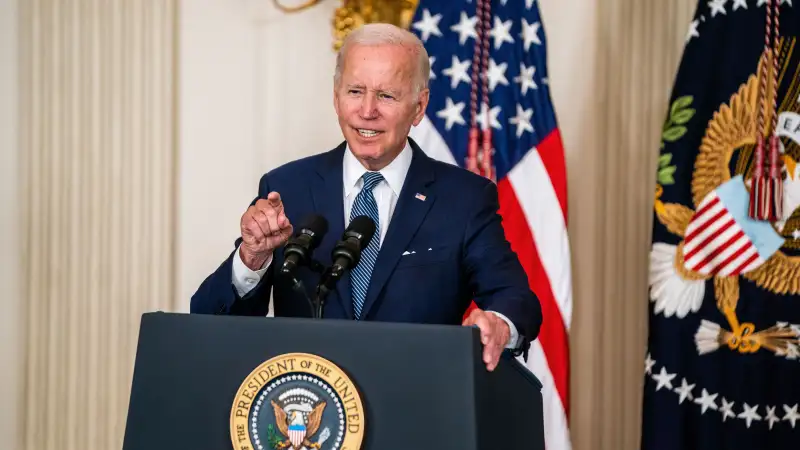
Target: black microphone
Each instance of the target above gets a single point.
(299, 249)
(347, 252)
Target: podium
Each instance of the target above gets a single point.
(256, 383)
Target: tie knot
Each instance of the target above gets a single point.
(371, 179)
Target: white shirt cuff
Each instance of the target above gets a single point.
(514, 337)
(244, 279)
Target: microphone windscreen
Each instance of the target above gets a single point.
(317, 225)
(363, 226)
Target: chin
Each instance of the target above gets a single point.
(367, 154)
(367, 150)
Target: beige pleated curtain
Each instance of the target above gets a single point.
(98, 157)
(97, 127)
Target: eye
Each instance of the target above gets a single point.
(386, 96)
(354, 91)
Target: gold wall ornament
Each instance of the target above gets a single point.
(292, 9)
(354, 13)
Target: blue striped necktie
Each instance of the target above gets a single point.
(365, 205)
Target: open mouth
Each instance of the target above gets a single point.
(367, 133)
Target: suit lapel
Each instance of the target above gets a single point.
(408, 216)
(327, 192)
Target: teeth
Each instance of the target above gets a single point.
(367, 133)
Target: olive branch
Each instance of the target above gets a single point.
(273, 439)
(674, 128)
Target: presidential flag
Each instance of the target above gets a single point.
(721, 368)
(490, 112)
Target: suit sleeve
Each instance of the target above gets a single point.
(217, 293)
(496, 278)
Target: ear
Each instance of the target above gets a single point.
(422, 105)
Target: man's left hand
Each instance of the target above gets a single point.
(494, 335)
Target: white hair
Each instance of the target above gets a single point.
(387, 34)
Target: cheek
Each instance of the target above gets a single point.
(348, 107)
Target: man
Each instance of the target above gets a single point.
(439, 240)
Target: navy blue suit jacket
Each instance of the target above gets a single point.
(456, 233)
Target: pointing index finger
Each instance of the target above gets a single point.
(274, 199)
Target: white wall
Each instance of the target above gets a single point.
(11, 319)
(255, 92)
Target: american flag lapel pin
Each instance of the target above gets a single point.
(420, 197)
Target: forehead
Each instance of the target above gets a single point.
(372, 62)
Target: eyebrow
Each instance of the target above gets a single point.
(392, 92)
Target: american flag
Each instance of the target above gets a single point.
(505, 41)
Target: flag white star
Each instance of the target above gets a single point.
(726, 409)
(717, 7)
(706, 401)
(684, 391)
(501, 32)
(465, 28)
(791, 414)
(693, 33)
(452, 113)
(788, 2)
(431, 60)
(457, 72)
(428, 25)
(648, 364)
(761, 2)
(739, 4)
(771, 417)
(664, 379)
(530, 33)
(525, 78)
(491, 114)
(496, 74)
(529, 4)
(749, 414)
(522, 120)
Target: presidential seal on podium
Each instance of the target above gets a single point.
(297, 401)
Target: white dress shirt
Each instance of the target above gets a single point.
(386, 194)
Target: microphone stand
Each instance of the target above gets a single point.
(299, 287)
(326, 284)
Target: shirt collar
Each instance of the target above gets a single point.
(394, 173)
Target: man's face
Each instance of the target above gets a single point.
(376, 102)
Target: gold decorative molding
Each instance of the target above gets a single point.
(354, 13)
(291, 9)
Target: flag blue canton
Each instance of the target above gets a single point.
(519, 112)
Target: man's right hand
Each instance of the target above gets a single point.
(265, 227)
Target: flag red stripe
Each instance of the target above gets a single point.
(713, 201)
(551, 152)
(744, 265)
(716, 252)
(553, 334)
(705, 224)
(730, 259)
(709, 238)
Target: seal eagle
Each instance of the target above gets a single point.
(296, 429)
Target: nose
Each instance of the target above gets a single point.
(368, 107)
